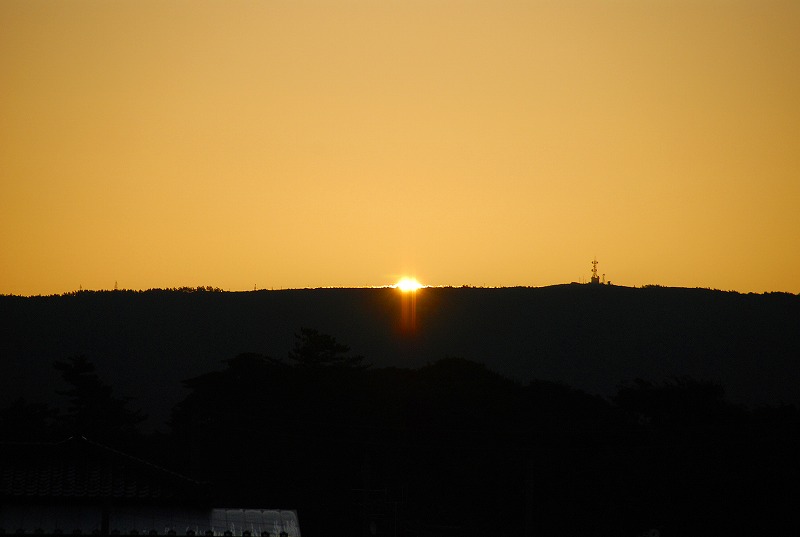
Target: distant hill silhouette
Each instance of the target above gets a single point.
(591, 337)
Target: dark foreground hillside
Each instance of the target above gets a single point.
(589, 337)
(446, 450)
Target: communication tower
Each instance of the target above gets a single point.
(595, 277)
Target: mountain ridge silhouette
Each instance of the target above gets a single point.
(590, 337)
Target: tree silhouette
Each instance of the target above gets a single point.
(23, 420)
(94, 411)
(680, 401)
(313, 349)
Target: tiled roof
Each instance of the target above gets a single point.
(79, 468)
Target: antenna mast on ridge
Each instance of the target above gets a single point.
(595, 277)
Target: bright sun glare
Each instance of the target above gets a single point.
(408, 284)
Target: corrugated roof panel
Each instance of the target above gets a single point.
(79, 468)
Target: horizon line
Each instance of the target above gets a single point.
(212, 289)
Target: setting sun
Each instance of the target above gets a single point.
(408, 284)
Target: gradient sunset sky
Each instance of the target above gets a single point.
(312, 143)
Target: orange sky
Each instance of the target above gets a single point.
(351, 142)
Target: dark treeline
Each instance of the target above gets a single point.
(450, 448)
(588, 337)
